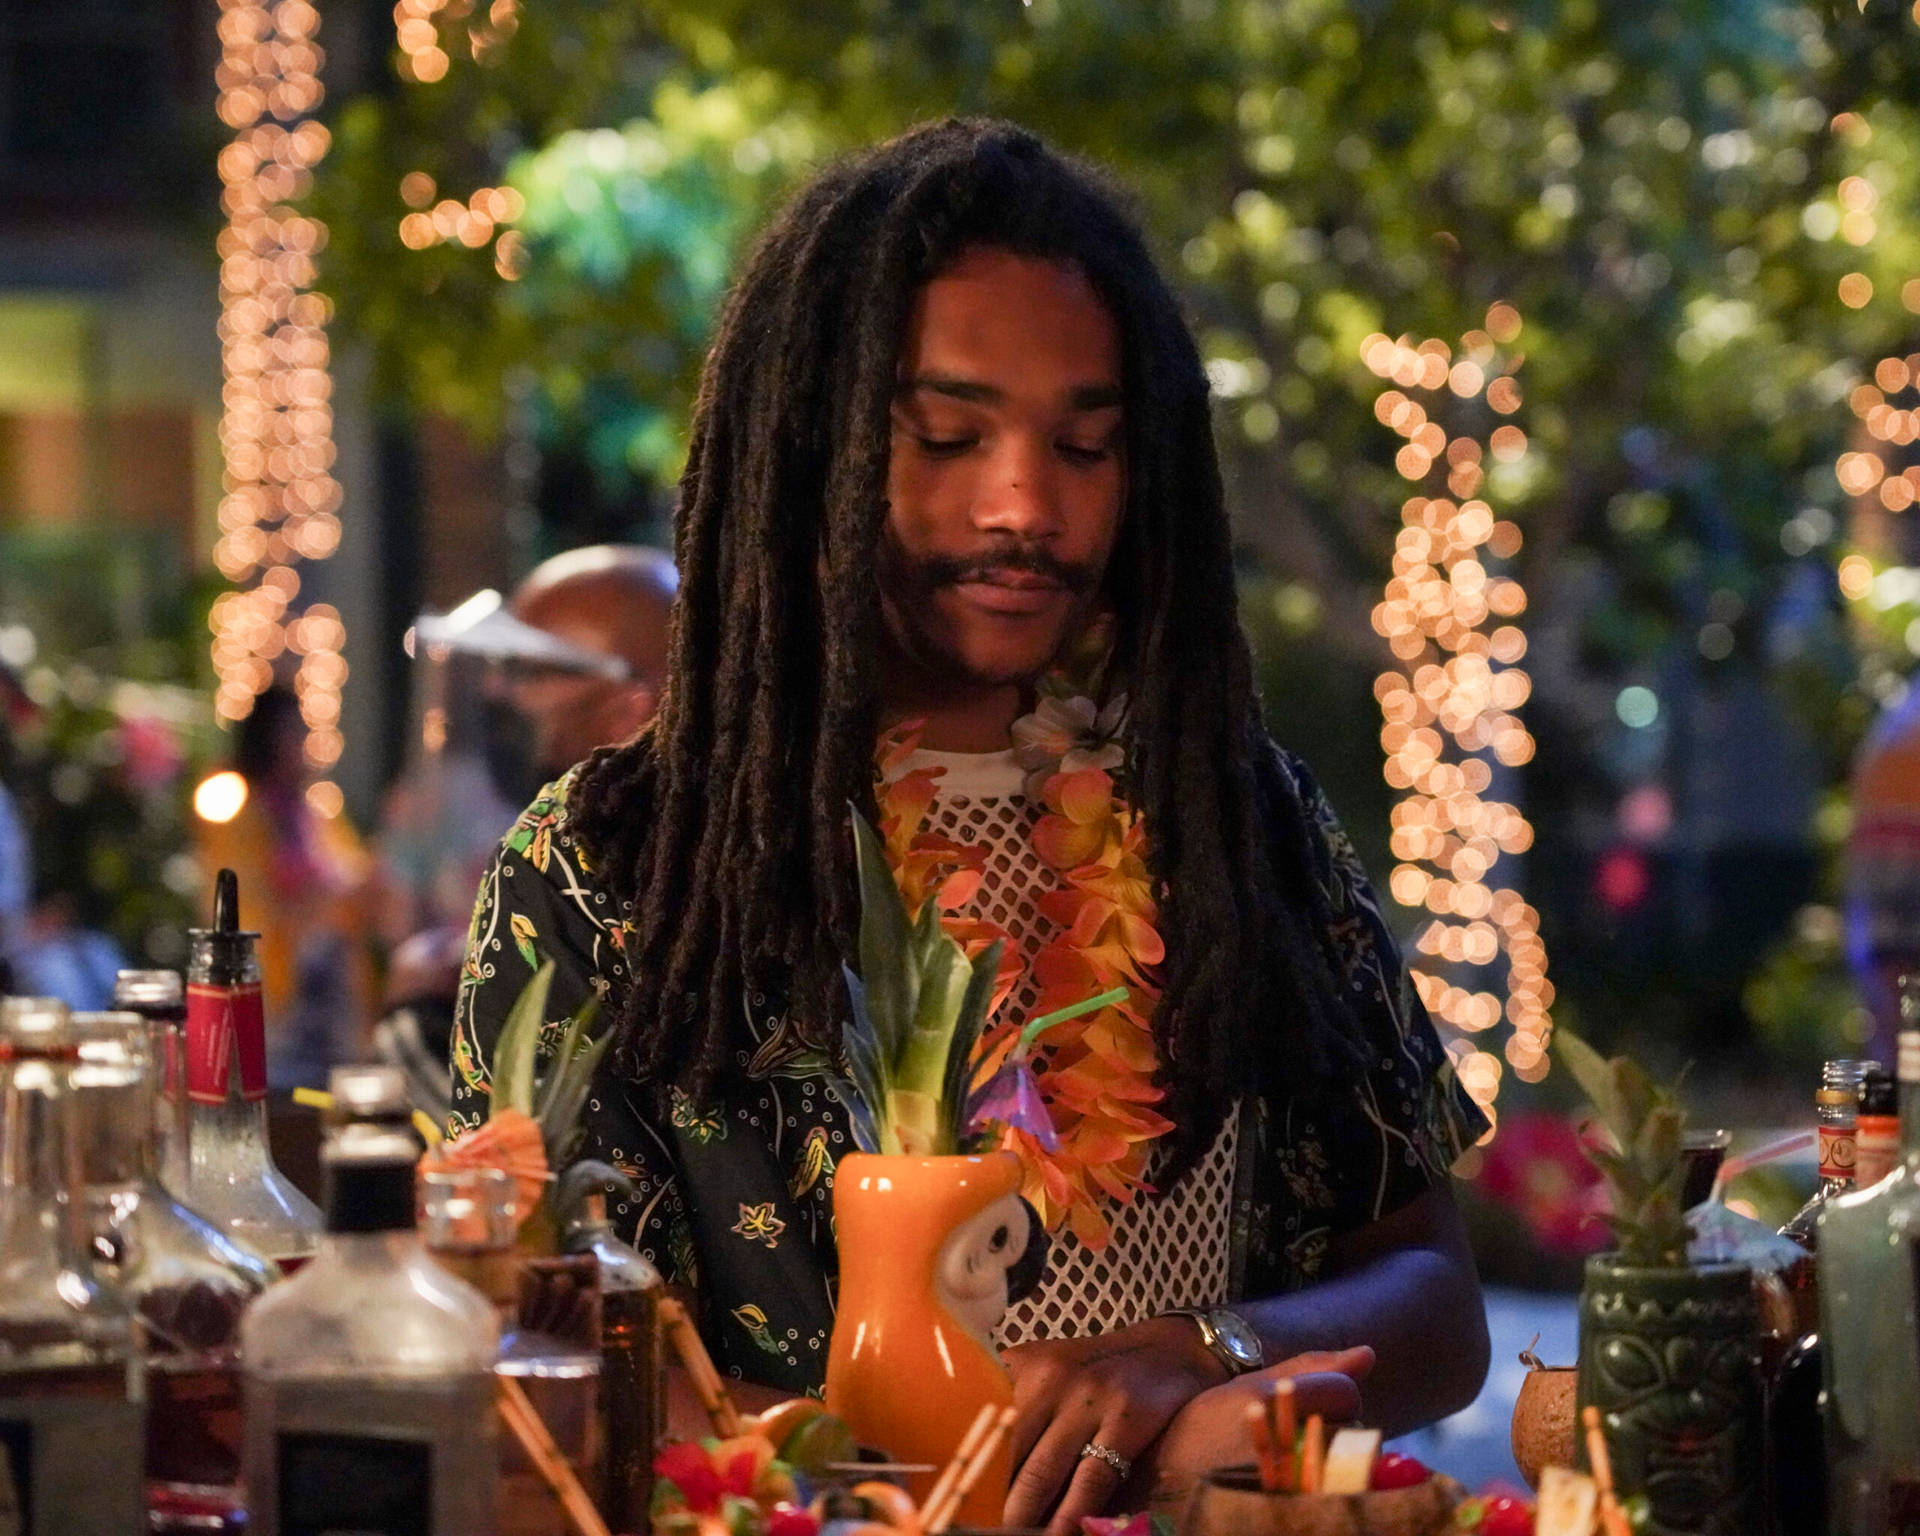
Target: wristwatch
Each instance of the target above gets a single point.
(1228, 1335)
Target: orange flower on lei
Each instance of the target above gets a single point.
(1096, 1073)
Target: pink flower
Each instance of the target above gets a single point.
(1537, 1168)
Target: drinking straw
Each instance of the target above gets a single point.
(698, 1364)
(1046, 1021)
(1613, 1519)
(1285, 1425)
(1313, 1455)
(1265, 1453)
(950, 1473)
(989, 1447)
(1733, 1167)
(524, 1420)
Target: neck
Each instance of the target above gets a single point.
(963, 719)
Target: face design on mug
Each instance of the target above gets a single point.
(972, 1274)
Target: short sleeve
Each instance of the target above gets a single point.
(539, 901)
(1349, 1154)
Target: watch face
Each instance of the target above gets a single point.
(1237, 1338)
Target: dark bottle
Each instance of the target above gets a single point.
(1836, 1106)
(633, 1383)
(1877, 1134)
(1797, 1441)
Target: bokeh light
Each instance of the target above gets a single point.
(1449, 713)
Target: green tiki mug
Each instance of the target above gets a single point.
(1670, 1357)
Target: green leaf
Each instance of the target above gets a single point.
(1590, 1071)
(886, 970)
(560, 1119)
(570, 1044)
(966, 1038)
(519, 1040)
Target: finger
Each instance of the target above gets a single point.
(1329, 1394)
(1356, 1362)
(1092, 1488)
(1052, 1462)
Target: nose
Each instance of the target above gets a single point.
(1018, 494)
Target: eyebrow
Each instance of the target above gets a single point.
(1082, 397)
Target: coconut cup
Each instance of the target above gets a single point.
(1543, 1420)
(1231, 1502)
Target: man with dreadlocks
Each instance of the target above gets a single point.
(953, 548)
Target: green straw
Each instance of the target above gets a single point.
(1072, 1011)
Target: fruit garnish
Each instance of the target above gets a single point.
(1393, 1470)
(1507, 1516)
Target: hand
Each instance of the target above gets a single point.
(1119, 1389)
(1211, 1431)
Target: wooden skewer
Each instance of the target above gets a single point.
(1313, 1454)
(698, 1364)
(524, 1420)
(989, 1447)
(962, 1454)
(1265, 1453)
(1286, 1432)
(1613, 1519)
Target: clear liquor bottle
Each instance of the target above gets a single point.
(1869, 1264)
(72, 1386)
(633, 1381)
(233, 1182)
(161, 999)
(1836, 1106)
(186, 1282)
(369, 1375)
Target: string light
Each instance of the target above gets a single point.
(486, 215)
(281, 503)
(1449, 712)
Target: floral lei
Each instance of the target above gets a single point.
(1096, 1073)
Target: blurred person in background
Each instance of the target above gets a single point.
(304, 880)
(610, 600)
(609, 605)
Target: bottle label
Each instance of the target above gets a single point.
(368, 1485)
(75, 1451)
(1836, 1152)
(218, 1018)
(1876, 1149)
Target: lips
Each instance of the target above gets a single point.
(1010, 593)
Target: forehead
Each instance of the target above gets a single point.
(993, 313)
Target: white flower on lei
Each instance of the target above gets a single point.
(1066, 735)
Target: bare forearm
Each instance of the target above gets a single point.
(1407, 1289)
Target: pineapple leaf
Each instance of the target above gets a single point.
(886, 967)
(519, 1040)
(1590, 1071)
(966, 1038)
(571, 1082)
(573, 1040)
(867, 1079)
(1644, 1169)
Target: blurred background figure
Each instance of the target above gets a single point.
(304, 879)
(610, 601)
(512, 695)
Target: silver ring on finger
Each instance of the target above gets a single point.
(1109, 1455)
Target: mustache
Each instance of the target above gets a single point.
(1028, 560)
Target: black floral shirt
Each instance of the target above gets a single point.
(733, 1199)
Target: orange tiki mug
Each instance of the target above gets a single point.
(927, 1245)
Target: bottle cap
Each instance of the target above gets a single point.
(35, 1026)
(149, 989)
(230, 942)
(369, 1093)
(1877, 1094)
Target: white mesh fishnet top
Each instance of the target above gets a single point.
(1164, 1252)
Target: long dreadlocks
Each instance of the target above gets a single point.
(724, 830)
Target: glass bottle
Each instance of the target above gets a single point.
(368, 1375)
(186, 1282)
(160, 999)
(233, 1181)
(633, 1383)
(1869, 1263)
(72, 1386)
(1836, 1104)
(1877, 1131)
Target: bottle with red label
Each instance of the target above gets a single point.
(1837, 1105)
(232, 1180)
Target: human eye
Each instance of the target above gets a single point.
(1088, 454)
(935, 446)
